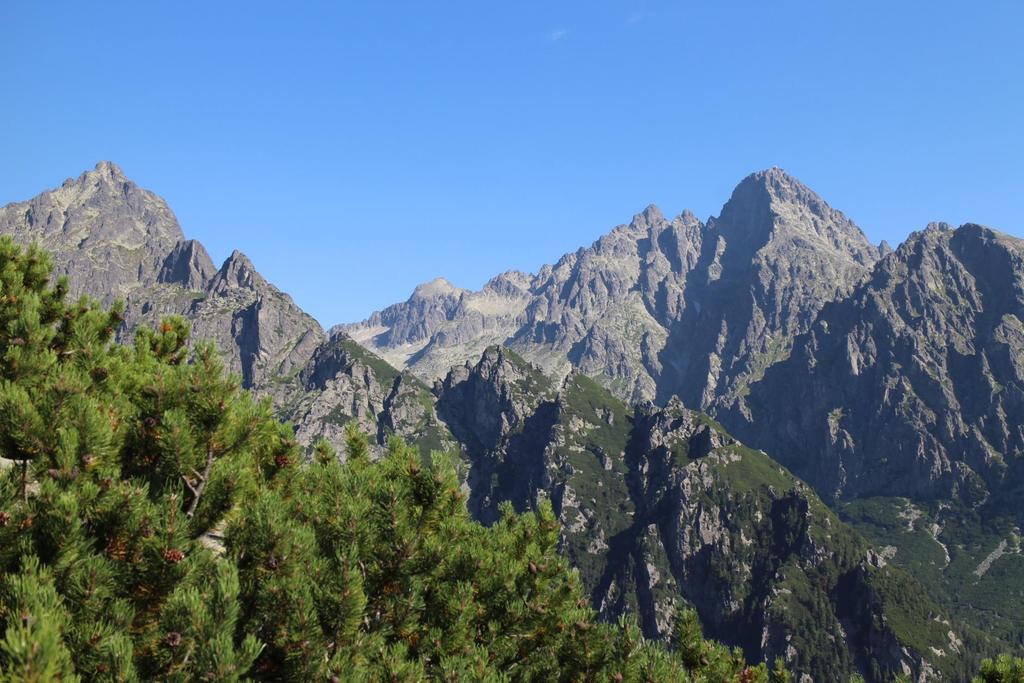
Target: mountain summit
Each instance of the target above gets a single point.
(107, 234)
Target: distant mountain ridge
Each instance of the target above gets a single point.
(655, 308)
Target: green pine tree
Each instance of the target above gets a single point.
(1003, 669)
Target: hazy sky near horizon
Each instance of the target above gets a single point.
(354, 149)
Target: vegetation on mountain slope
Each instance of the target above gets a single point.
(971, 564)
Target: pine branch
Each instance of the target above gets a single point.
(197, 491)
(191, 488)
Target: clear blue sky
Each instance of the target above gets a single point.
(353, 149)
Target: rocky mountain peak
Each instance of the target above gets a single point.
(937, 226)
(511, 283)
(647, 218)
(687, 217)
(107, 234)
(653, 307)
(189, 265)
(483, 401)
(438, 287)
(237, 272)
(141, 215)
(781, 184)
(104, 173)
(109, 170)
(772, 206)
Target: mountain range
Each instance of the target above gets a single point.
(814, 440)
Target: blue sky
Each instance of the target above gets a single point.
(354, 149)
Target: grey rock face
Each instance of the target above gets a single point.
(241, 310)
(774, 257)
(343, 382)
(485, 402)
(660, 509)
(107, 235)
(334, 388)
(416, 319)
(913, 384)
(653, 308)
(187, 265)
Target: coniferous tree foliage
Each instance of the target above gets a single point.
(1004, 669)
(157, 523)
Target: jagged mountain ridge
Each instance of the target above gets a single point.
(655, 308)
(108, 235)
(901, 390)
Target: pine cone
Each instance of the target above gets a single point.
(173, 556)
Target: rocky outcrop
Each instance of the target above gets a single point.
(661, 509)
(187, 265)
(486, 401)
(343, 382)
(240, 310)
(500, 409)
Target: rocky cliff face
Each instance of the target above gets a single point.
(914, 384)
(661, 509)
(343, 382)
(903, 405)
(770, 261)
(240, 310)
(655, 307)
